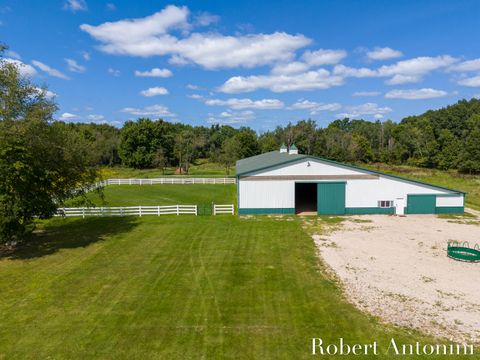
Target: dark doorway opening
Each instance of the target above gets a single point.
(306, 198)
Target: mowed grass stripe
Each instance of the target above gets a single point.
(174, 288)
(163, 194)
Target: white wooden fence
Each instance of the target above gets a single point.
(169, 180)
(223, 209)
(141, 210)
(129, 210)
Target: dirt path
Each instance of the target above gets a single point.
(396, 268)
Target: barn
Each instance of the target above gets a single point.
(286, 182)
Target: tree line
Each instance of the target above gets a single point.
(448, 138)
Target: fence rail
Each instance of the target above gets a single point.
(171, 180)
(223, 209)
(129, 210)
(141, 210)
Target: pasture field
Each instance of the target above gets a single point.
(176, 288)
(201, 168)
(166, 194)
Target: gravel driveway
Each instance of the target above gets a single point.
(397, 268)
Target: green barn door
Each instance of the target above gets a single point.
(421, 204)
(331, 198)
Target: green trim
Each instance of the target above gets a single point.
(369, 211)
(305, 157)
(266, 211)
(348, 211)
(449, 210)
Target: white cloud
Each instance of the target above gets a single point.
(471, 81)
(13, 54)
(86, 55)
(346, 71)
(205, 19)
(74, 66)
(314, 107)
(111, 7)
(403, 79)
(364, 109)
(231, 117)
(312, 80)
(466, 66)
(366, 93)
(68, 116)
(293, 67)
(195, 96)
(155, 72)
(95, 117)
(385, 53)
(150, 36)
(154, 91)
(47, 93)
(417, 66)
(75, 5)
(237, 104)
(323, 57)
(193, 87)
(405, 71)
(415, 94)
(23, 69)
(153, 110)
(113, 72)
(49, 70)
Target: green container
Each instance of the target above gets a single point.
(464, 252)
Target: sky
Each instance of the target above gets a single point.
(245, 63)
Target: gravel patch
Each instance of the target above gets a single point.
(397, 268)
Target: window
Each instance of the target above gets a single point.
(385, 203)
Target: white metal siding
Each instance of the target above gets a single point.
(367, 193)
(302, 168)
(267, 194)
(359, 192)
(443, 201)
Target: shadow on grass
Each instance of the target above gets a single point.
(56, 234)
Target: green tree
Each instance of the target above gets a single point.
(231, 149)
(42, 162)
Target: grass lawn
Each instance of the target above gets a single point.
(201, 168)
(449, 179)
(175, 288)
(166, 194)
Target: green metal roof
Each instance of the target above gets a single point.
(274, 158)
(265, 161)
(293, 147)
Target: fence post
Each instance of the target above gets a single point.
(158, 210)
(196, 210)
(140, 211)
(83, 212)
(178, 210)
(214, 210)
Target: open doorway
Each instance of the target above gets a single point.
(306, 198)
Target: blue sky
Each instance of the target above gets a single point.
(254, 63)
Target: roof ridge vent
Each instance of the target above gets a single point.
(293, 150)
